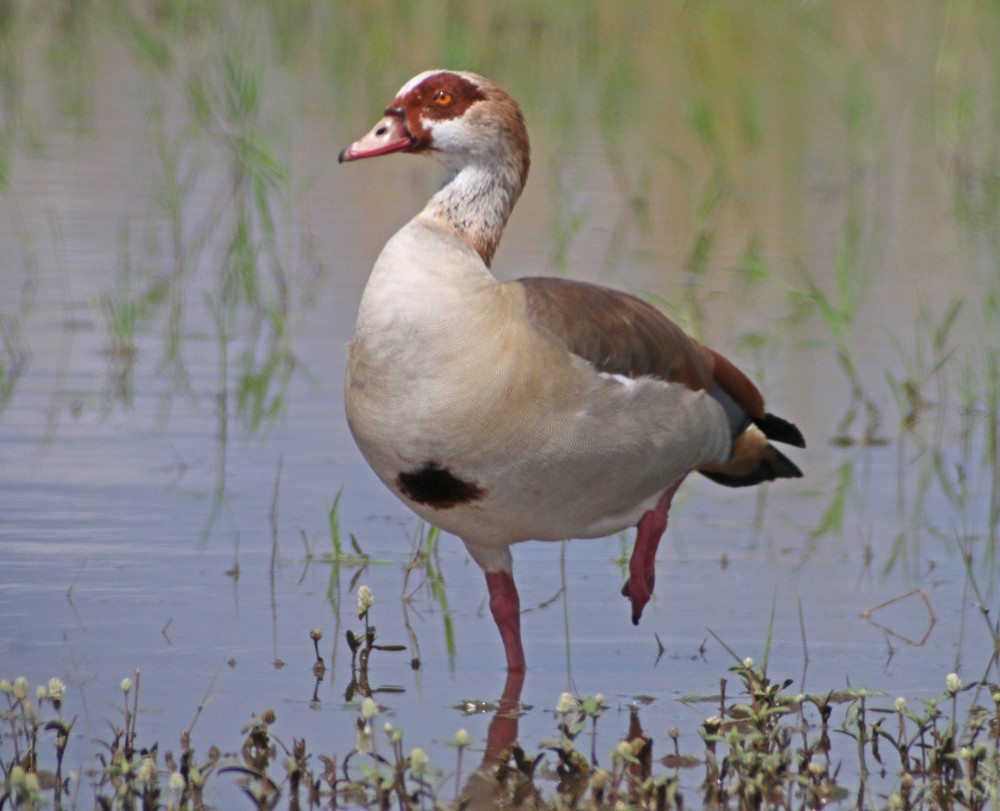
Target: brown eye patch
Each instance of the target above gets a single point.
(440, 97)
(443, 95)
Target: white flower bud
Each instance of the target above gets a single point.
(365, 599)
(147, 771)
(56, 688)
(369, 708)
(567, 703)
(418, 760)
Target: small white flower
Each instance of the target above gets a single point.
(462, 738)
(56, 688)
(365, 600)
(369, 708)
(126, 686)
(41, 693)
(624, 749)
(418, 760)
(20, 688)
(147, 771)
(6, 687)
(176, 782)
(953, 683)
(748, 663)
(901, 705)
(567, 703)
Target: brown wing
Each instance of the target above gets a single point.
(620, 334)
(616, 332)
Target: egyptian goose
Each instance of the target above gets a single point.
(538, 409)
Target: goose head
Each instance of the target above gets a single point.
(472, 126)
(455, 116)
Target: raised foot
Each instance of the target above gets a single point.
(642, 566)
(639, 595)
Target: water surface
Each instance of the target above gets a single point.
(810, 189)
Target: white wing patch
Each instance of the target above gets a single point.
(627, 382)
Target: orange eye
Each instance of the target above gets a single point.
(442, 98)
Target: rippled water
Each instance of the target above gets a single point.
(808, 189)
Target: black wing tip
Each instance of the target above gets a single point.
(781, 430)
(777, 466)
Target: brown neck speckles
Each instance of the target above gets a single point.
(472, 126)
(475, 202)
(475, 129)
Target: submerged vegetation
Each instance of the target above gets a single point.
(814, 187)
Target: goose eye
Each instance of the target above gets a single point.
(442, 98)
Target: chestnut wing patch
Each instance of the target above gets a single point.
(615, 332)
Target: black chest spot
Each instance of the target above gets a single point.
(438, 487)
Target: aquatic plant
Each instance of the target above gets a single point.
(763, 746)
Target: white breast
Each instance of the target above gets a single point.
(446, 369)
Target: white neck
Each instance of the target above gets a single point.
(476, 200)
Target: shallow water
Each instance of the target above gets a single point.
(181, 260)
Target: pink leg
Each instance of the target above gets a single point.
(506, 609)
(642, 566)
